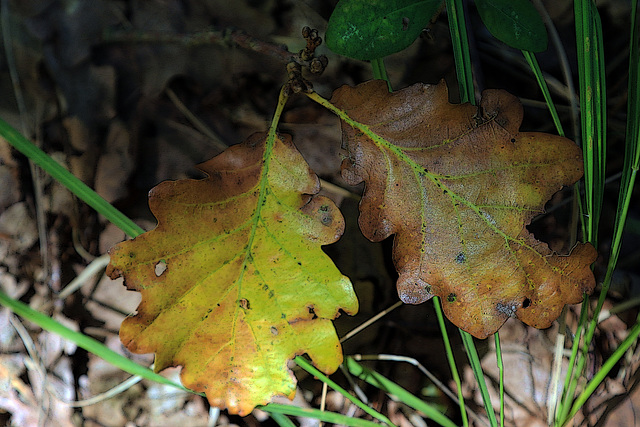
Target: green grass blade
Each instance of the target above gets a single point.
(537, 72)
(451, 359)
(462, 57)
(66, 178)
(127, 365)
(380, 71)
(590, 388)
(474, 361)
(629, 173)
(282, 420)
(500, 375)
(575, 366)
(593, 126)
(592, 110)
(394, 389)
(630, 169)
(85, 342)
(329, 417)
(304, 364)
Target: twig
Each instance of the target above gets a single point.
(229, 37)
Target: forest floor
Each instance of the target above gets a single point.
(124, 115)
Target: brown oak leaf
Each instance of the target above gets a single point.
(457, 185)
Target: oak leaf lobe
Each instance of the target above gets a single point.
(245, 285)
(457, 185)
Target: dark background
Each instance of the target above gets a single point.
(120, 115)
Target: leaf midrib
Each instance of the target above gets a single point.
(381, 142)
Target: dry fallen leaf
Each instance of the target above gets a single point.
(457, 185)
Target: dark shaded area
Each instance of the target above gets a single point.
(124, 115)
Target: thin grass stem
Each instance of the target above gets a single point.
(591, 386)
(304, 364)
(369, 322)
(281, 419)
(592, 110)
(112, 392)
(537, 72)
(630, 169)
(476, 367)
(461, 51)
(329, 417)
(380, 71)
(446, 390)
(574, 372)
(563, 60)
(450, 359)
(593, 125)
(500, 375)
(398, 393)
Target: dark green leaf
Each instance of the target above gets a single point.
(514, 22)
(370, 29)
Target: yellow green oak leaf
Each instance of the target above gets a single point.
(233, 279)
